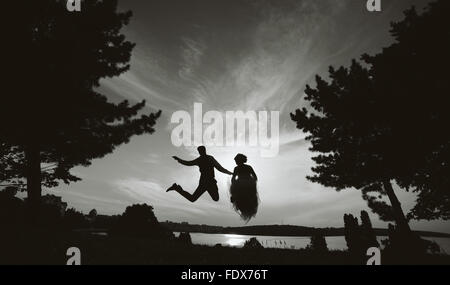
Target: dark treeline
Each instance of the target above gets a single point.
(137, 220)
(136, 237)
(278, 230)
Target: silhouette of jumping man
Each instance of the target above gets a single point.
(207, 181)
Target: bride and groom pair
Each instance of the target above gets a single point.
(244, 195)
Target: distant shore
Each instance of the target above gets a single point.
(277, 230)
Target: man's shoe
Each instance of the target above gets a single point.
(174, 187)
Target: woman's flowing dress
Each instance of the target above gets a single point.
(244, 193)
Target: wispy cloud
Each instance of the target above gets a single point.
(191, 53)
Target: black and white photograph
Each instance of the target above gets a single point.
(250, 133)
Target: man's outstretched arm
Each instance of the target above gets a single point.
(185, 162)
(220, 168)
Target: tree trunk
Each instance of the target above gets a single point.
(400, 218)
(33, 160)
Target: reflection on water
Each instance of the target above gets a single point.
(235, 242)
(267, 241)
(333, 243)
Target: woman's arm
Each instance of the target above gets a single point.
(252, 172)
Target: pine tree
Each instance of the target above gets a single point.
(352, 233)
(56, 116)
(412, 77)
(372, 124)
(370, 239)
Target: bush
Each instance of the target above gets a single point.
(185, 238)
(252, 243)
(140, 221)
(318, 243)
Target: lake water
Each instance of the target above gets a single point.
(333, 243)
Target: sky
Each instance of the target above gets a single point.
(233, 55)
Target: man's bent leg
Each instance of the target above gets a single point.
(192, 197)
(213, 191)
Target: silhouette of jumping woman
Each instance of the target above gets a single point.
(243, 191)
(207, 182)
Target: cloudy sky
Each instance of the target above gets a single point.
(229, 56)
